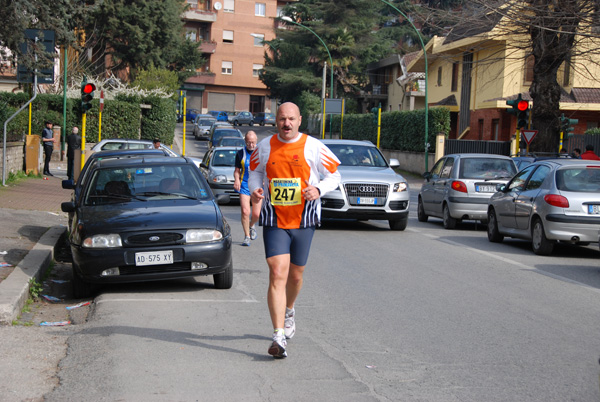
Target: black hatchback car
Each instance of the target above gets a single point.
(147, 218)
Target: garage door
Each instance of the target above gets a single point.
(220, 101)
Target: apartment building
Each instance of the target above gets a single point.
(230, 34)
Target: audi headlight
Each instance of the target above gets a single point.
(202, 235)
(399, 187)
(221, 178)
(103, 241)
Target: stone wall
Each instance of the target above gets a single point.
(15, 152)
(413, 162)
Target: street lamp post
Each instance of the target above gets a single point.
(426, 81)
(288, 19)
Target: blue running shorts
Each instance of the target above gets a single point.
(244, 188)
(295, 242)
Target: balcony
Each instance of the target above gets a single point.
(207, 46)
(199, 15)
(202, 78)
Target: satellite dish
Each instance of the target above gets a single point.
(218, 6)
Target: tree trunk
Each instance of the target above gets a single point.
(545, 92)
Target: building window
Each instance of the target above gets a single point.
(455, 76)
(258, 39)
(227, 67)
(227, 36)
(480, 124)
(529, 68)
(229, 5)
(256, 69)
(439, 80)
(260, 9)
(496, 128)
(191, 34)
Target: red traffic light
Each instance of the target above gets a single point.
(89, 88)
(522, 105)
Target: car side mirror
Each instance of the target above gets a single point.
(427, 175)
(68, 206)
(501, 187)
(223, 199)
(68, 184)
(394, 163)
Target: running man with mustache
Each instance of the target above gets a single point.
(284, 175)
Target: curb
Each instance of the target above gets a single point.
(14, 290)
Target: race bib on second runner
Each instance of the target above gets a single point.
(286, 192)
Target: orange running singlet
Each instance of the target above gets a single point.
(286, 166)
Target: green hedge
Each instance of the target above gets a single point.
(403, 131)
(120, 117)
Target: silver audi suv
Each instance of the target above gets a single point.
(370, 188)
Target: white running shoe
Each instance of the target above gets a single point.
(277, 348)
(290, 324)
(246, 241)
(253, 233)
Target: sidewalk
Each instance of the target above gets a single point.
(32, 224)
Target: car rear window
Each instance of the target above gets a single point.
(486, 168)
(585, 179)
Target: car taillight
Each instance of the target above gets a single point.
(556, 200)
(459, 186)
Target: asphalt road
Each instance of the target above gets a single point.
(421, 315)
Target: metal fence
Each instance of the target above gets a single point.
(476, 146)
(503, 147)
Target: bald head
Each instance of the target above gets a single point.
(251, 140)
(288, 120)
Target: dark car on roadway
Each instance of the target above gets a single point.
(93, 159)
(191, 114)
(219, 115)
(146, 219)
(263, 118)
(221, 132)
(370, 188)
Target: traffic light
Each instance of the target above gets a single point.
(375, 112)
(87, 94)
(519, 108)
(566, 123)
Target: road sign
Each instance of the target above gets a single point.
(30, 45)
(333, 106)
(529, 135)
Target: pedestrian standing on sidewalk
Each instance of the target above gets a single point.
(73, 144)
(589, 153)
(250, 213)
(285, 171)
(48, 142)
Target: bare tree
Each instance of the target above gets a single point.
(558, 34)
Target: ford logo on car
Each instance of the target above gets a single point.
(154, 238)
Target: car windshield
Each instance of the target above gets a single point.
(584, 179)
(224, 157)
(486, 168)
(358, 155)
(233, 142)
(224, 133)
(206, 122)
(142, 183)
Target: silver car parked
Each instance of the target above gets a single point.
(217, 167)
(459, 186)
(370, 188)
(548, 201)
